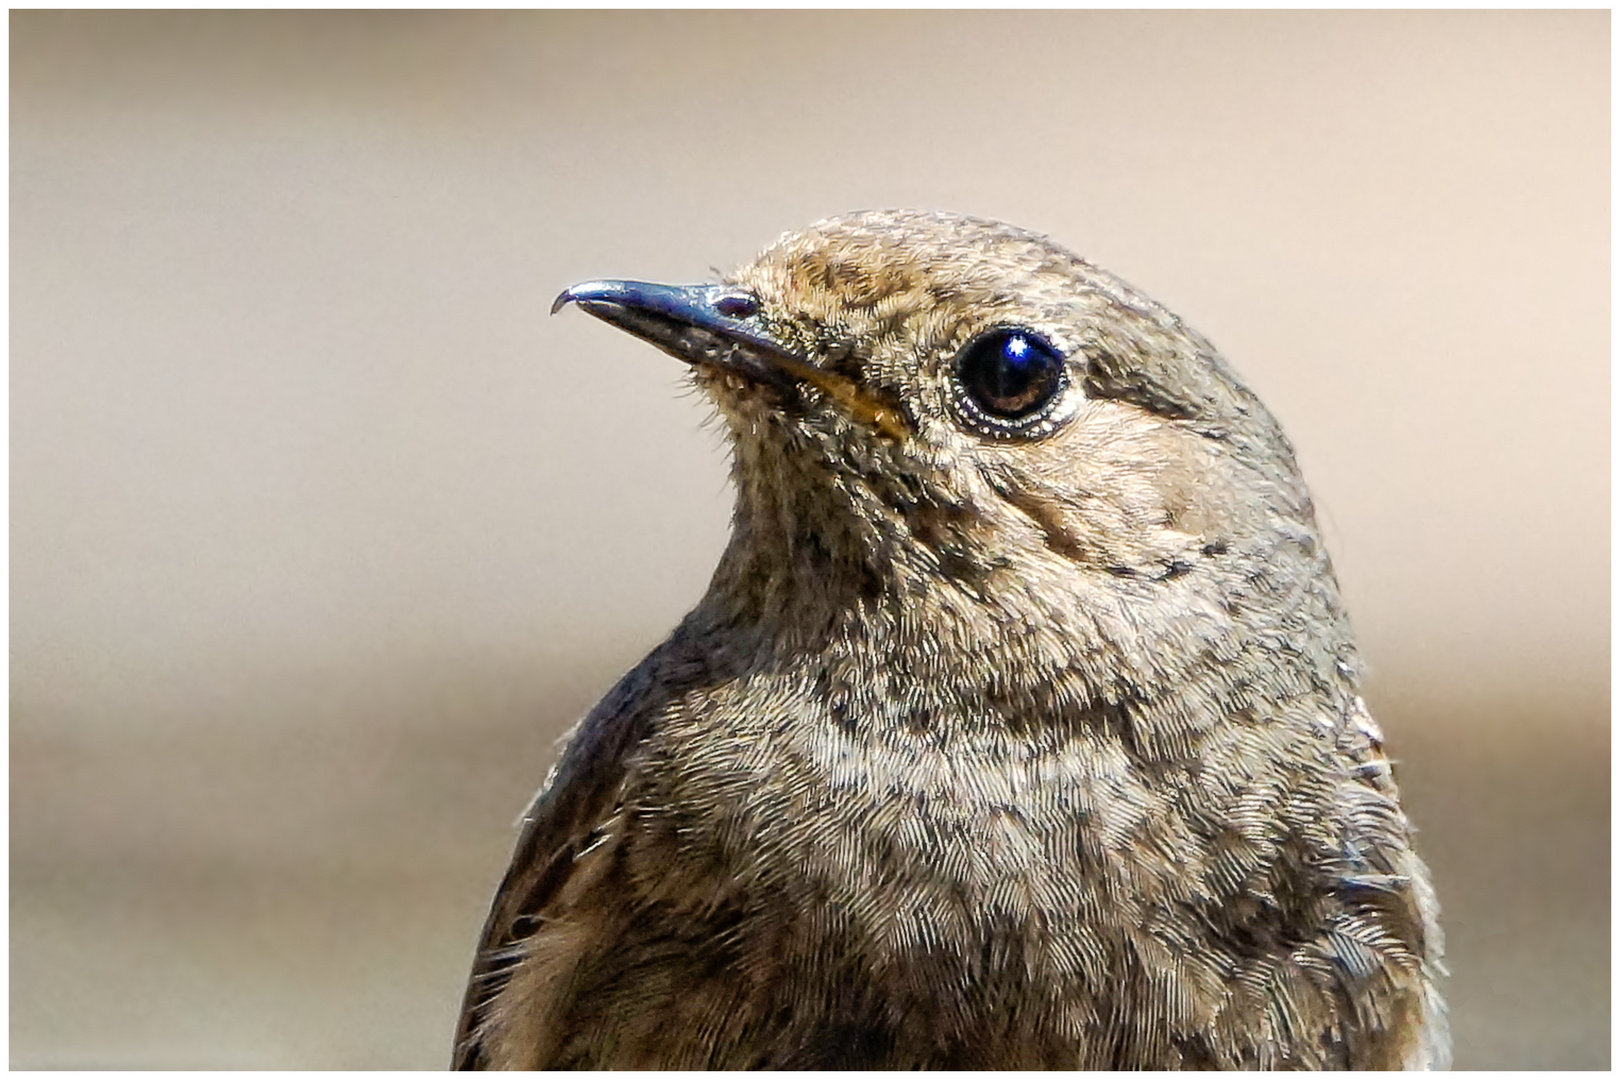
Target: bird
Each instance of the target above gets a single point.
(1020, 725)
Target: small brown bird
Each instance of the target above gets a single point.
(1019, 727)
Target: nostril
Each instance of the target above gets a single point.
(737, 305)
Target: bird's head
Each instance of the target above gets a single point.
(925, 404)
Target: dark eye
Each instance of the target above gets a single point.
(1009, 375)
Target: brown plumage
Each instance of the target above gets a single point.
(1019, 727)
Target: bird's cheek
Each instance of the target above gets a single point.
(1095, 534)
(1100, 494)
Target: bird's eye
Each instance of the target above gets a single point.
(1008, 379)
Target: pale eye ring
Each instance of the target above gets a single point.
(1010, 382)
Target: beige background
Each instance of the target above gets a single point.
(322, 532)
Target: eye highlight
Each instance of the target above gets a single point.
(1007, 382)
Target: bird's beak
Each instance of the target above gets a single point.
(701, 324)
(720, 327)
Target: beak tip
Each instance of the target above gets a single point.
(564, 298)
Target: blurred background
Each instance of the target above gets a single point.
(322, 532)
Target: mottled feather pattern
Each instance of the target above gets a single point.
(1042, 751)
